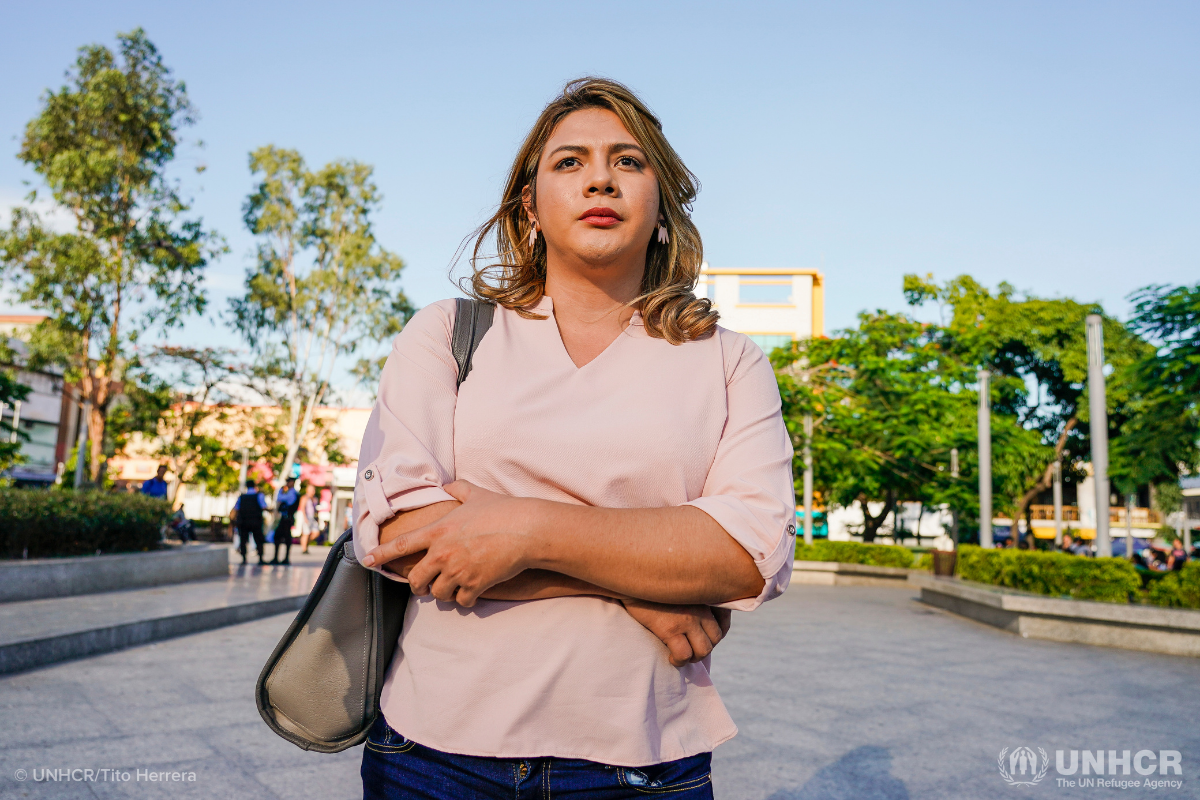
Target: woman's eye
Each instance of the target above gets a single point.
(628, 161)
(568, 162)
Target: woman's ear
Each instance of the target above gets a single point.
(527, 204)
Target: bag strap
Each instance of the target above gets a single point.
(472, 319)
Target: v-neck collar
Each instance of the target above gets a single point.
(635, 329)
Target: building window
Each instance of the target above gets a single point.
(769, 341)
(765, 290)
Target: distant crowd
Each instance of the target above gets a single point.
(1147, 553)
(294, 512)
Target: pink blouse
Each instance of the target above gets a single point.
(646, 424)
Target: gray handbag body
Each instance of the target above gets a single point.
(320, 688)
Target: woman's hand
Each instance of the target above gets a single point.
(481, 543)
(689, 632)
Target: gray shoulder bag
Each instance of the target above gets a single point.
(320, 688)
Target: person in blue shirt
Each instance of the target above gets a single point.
(248, 515)
(286, 504)
(156, 486)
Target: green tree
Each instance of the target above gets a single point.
(175, 400)
(1161, 433)
(321, 286)
(1037, 351)
(888, 404)
(102, 144)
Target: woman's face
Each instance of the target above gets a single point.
(597, 198)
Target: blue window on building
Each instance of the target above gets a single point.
(765, 290)
(769, 341)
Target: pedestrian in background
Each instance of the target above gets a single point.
(286, 504)
(1178, 556)
(248, 516)
(1074, 547)
(157, 486)
(309, 528)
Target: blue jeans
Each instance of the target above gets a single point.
(395, 768)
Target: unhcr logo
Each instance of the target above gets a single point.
(1023, 767)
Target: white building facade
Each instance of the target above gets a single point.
(773, 306)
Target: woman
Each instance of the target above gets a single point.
(577, 520)
(309, 529)
(1177, 557)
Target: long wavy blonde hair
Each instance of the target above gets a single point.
(515, 276)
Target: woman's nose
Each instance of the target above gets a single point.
(601, 182)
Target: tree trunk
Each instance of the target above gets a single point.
(871, 525)
(1047, 478)
(96, 422)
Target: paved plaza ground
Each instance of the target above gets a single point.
(840, 693)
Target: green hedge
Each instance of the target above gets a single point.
(63, 523)
(1177, 589)
(1112, 580)
(877, 555)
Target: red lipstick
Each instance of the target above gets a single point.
(600, 217)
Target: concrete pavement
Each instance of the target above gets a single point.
(839, 692)
(34, 633)
(863, 692)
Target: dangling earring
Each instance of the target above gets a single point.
(663, 235)
(532, 237)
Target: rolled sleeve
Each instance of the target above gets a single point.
(407, 453)
(749, 490)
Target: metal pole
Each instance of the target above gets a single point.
(1058, 517)
(81, 442)
(1099, 426)
(954, 512)
(985, 461)
(1129, 526)
(808, 480)
(16, 420)
(242, 471)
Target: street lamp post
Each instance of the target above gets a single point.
(245, 466)
(808, 480)
(1058, 514)
(1129, 526)
(954, 512)
(1099, 425)
(985, 461)
(16, 420)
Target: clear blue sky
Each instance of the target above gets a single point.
(1050, 144)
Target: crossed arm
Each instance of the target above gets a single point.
(666, 565)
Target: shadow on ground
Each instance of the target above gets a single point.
(863, 772)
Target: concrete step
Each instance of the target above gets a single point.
(35, 633)
(41, 578)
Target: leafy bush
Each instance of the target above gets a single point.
(925, 562)
(1177, 589)
(78, 523)
(877, 555)
(1111, 580)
